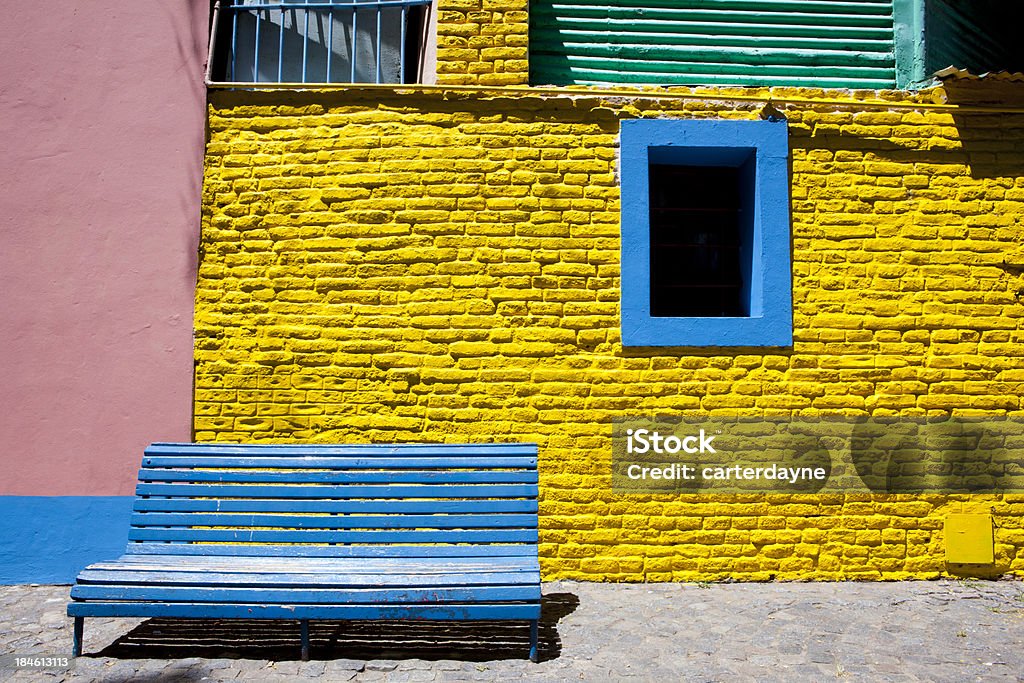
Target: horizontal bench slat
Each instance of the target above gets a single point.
(339, 582)
(350, 596)
(371, 551)
(362, 450)
(344, 463)
(344, 477)
(376, 567)
(311, 536)
(262, 611)
(350, 491)
(364, 506)
(335, 564)
(479, 521)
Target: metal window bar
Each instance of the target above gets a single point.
(280, 47)
(234, 39)
(352, 40)
(305, 42)
(330, 41)
(256, 50)
(401, 44)
(375, 50)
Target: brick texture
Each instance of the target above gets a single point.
(409, 268)
(482, 42)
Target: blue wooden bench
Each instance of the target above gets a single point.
(301, 532)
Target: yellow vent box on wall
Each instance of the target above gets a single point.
(969, 539)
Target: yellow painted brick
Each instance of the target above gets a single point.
(401, 267)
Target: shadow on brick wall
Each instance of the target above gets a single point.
(994, 142)
(989, 143)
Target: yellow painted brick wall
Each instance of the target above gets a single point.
(407, 268)
(482, 42)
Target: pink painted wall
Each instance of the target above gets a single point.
(102, 119)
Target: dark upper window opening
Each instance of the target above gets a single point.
(696, 241)
(327, 41)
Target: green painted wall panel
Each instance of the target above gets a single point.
(690, 42)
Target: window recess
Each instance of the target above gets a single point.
(697, 242)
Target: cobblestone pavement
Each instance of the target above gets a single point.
(910, 631)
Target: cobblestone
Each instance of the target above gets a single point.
(907, 631)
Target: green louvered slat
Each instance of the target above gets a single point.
(598, 71)
(600, 18)
(725, 71)
(716, 42)
(638, 32)
(792, 6)
(596, 77)
(699, 55)
(680, 12)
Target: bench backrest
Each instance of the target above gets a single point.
(317, 500)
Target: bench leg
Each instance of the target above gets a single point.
(304, 631)
(76, 637)
(534, 629)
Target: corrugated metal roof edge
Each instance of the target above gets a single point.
(952, 73)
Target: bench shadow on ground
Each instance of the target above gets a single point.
(471, 641)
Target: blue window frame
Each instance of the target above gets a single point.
(757, 150)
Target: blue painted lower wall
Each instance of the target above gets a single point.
(49, 539)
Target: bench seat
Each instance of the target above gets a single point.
(326, 532)
(310, 588)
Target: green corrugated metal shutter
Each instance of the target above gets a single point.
(691, 42)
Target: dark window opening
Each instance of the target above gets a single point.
(333, 41)
(697, 241)
(977, 35)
